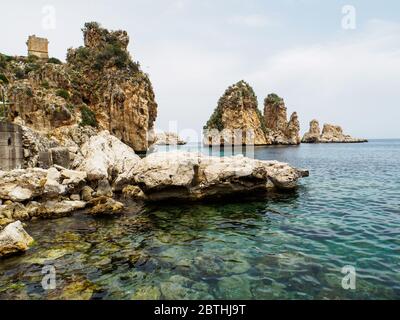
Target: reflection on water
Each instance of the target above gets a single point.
(287, 246)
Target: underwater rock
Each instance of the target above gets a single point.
(235, 288)
(180, 288)
(194, 176)
(105, 206)
(147, 293)
(14, 239)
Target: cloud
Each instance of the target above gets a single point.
(352, 81)
(253, 20)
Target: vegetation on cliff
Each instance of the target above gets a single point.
(100, 79)
(238, 95)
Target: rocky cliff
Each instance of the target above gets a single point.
(280, 130)
(330, 134)
(237, 119)
(99, 86)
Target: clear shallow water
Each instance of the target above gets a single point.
(288, 246)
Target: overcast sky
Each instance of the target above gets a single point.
(194, 49)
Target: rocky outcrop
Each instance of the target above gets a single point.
(193, 176)
(330, 134)
(106, 157)
(99, 86)
(14, 239)
(168, 139)
(280, 131)
(122, 98)
(237, 119)
(314, 134)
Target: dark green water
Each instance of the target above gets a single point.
(287, 246)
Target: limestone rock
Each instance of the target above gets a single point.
(87, 193)
(280, 131)
(193, 176)
(330, 134)
(22, 185)
(106, 157)
(99, 86)
(105, 206)
(168, 138)
(237, 119)
(314, 134)
(14, 239)
(55, 208)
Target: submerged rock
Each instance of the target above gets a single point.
(105, 206)
(330, 134)
(14, 239)
(194, 176)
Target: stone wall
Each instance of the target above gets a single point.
(11, 151)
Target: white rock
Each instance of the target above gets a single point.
(104, 156)
(187, 175)
(14, 239)
(53, 186)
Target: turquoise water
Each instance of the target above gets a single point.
(287, 246)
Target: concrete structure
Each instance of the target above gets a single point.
(11, 150)
(38, 47)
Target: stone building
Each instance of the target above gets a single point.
(38, 47)
(11, 151)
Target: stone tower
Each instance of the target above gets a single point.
(38, 47)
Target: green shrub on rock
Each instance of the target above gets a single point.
(3, 79)
(88, 117)
(54, 61)
(63, 94)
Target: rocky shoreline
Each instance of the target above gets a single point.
(106, 174)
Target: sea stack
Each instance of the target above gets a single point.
(280, 131)
(330, 134)
(237, 119)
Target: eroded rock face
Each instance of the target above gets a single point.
(237, 119)
(280, 131)
(99, 86)
(123, 100)
(314, 134)
(106, 157)
(14, 239)
(193, 176)
(330, 134)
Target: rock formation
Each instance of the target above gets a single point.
(99, 86)
(330, 134)
(237, 119)
(194, 176)
(280, 131)
(168, 138)
(14, 239)
(106, 169)
(314, 134)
